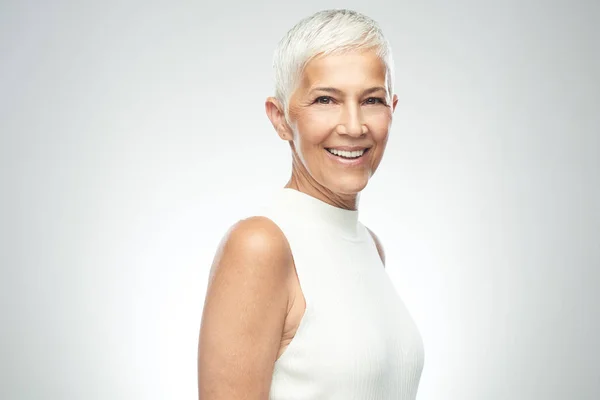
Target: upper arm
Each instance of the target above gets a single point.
(378, 245)
(244, 312)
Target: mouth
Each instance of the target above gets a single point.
(351, 158)
(348, 155)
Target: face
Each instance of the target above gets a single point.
(340, 116)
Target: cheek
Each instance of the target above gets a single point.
(381, 138)
(313, 129)
(380, 126)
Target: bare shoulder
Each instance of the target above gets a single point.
(244, 312)
(256, 238)
(378, 244)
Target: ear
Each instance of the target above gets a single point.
(276, 115)
(394, 102)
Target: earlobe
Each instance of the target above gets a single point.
(284, 132)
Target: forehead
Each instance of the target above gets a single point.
(345, 70)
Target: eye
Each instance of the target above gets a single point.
(323, 100)
(375, 100)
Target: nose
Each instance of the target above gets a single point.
(352, 123)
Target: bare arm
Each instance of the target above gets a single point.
(244, 312)
(378, 245)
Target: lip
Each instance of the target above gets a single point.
(347, 162)
(348, 148)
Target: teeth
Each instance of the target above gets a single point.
(347, 154)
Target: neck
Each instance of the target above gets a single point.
(345, 201)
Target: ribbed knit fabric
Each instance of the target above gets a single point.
(356, 340)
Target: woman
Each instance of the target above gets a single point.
(299, 305)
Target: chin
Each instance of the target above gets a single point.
(348, 185)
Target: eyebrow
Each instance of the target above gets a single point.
(339, 92)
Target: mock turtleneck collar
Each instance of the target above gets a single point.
(309, 207)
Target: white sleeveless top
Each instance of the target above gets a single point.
(356, 340)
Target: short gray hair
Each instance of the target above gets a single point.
(326, 32)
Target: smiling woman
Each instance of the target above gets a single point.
(299, 305)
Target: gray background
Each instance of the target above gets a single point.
(133, 135)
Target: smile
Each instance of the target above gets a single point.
(347, 154)
(351, 158)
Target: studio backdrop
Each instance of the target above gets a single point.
(133, 135)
